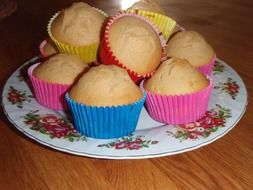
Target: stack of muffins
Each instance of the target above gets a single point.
(107, 68)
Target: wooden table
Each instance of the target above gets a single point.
(224, 164)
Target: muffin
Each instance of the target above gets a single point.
(177, 93)
(77, 29)
(192, 46)
(47, 48)
(105, 102)
(131, 42)
(52, 78)
(153, 11)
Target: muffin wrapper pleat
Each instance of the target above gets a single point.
(109, 58)
(178, 109)
(47, 94)
(105, 122)
(164, 23)
(87, 53)
(207, 68)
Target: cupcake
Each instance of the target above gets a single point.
(52, 78)
(177, 93)
(192, 46)
(105, 102)
(47, 48)
(132, 42)
(77, 30)
(153, 11)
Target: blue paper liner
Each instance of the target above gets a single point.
(105, 122)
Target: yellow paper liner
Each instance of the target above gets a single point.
(165, 24)
(87, 53)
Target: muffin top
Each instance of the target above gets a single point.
(105, 85)
(192, 46)
(148, 5)
(60, 69)
(136, 44)
(176, 77)
(80, 24)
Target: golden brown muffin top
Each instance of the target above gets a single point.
(176, 77)
(136, 44)
(79, 24)
(60, 69)
(105, 85)
(192, 46)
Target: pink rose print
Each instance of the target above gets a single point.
(50, 120)
(230, 87)
(212, 120)
(218, 67)
(120, 145)
(129, 143)
(16, 97)
(58, 130)
(53, 126)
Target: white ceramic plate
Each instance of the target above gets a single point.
(151, 139)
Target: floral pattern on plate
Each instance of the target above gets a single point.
(17, 97)
(53, 126)
(218, 67)
(208, 124)
(229, 87)
(130, 142)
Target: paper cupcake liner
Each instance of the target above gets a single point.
(109, 58)
(41, 48)
(180, 28)
(47, 94)
(178, 109)
(105, 122)
(164, 23)
(87, 53)
(207, 68)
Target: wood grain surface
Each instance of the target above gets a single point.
(224, 164)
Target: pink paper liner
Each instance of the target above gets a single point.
(178, 109)
(109, 58)
(41, 48)
(47, 94)
(181, 28)
(207, 68)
